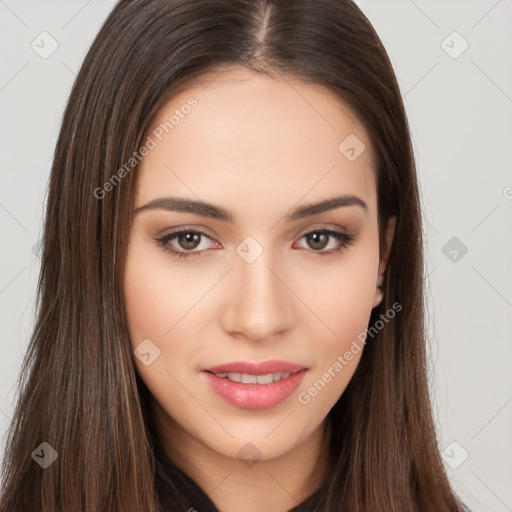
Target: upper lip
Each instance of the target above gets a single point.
(256, 368)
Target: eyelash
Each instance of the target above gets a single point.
(163, 242)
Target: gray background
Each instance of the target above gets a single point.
(459, 105)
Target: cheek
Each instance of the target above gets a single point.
(347, 300)
(157, 300)
(156, 297)
(343, 300)
(341, 291)
(145, 301)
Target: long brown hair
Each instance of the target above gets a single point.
(79, 390)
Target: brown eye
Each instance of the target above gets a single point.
(184, 243)
(317, 240)
(188, 240)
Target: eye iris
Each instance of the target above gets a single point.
(315, 237)
(189, 240)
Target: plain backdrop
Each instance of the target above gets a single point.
(452, 59)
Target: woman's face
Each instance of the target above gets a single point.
(262, 280)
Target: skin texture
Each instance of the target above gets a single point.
(258, 147)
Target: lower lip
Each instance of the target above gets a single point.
(255, 396)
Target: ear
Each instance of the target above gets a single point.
(390, 234)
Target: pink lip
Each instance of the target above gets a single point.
(256, 368)
(255, 396)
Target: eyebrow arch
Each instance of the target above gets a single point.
(205, 209)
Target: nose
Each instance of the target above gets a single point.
(259, 305)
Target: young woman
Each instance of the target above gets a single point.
(230, 307)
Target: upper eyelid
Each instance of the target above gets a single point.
(329, 226)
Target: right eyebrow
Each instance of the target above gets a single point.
(178, 204)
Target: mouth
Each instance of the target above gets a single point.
(247, 378)
(245, 367)
(255, 385)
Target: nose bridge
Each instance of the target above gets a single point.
(259, 305)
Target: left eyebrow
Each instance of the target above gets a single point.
(204, 209)
(324, 206)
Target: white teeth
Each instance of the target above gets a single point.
(246, 378)
(265, 379)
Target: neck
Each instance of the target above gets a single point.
(274, 485)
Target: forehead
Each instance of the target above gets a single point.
(251, 137)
